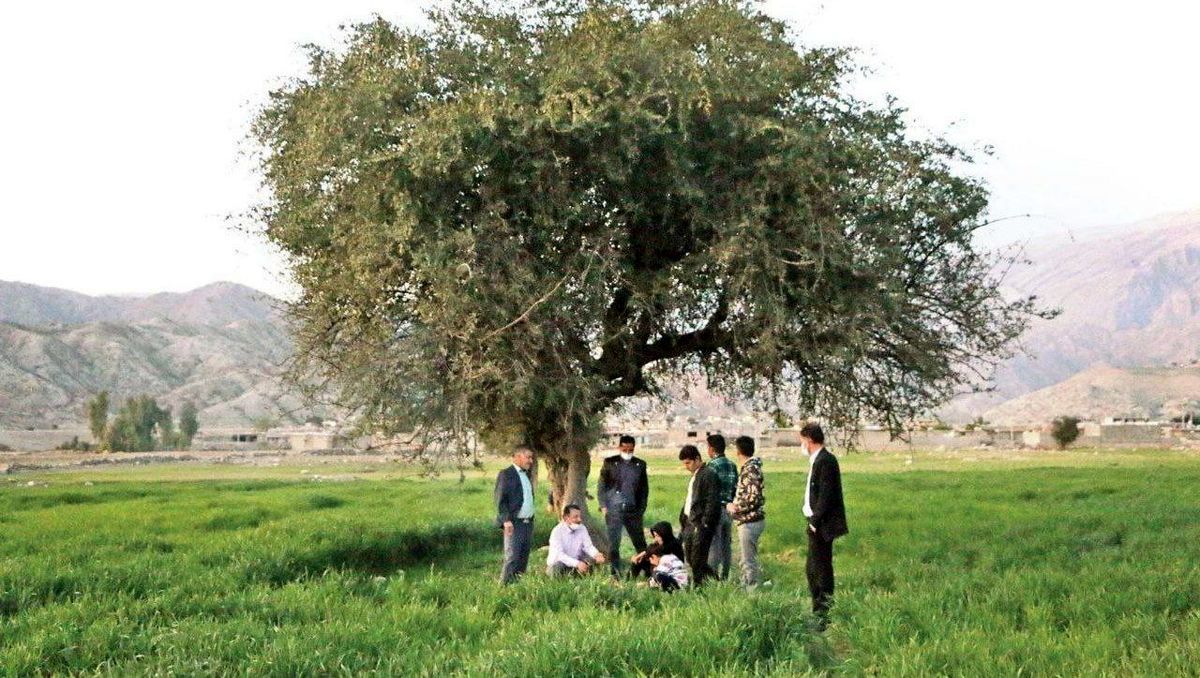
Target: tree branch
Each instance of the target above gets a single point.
(541, 300)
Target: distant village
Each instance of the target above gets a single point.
(671, 433)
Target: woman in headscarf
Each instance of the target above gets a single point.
(661, 533)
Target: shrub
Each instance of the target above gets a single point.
(1065, 430)
(74, 445)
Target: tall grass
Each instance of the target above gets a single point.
(1056, 571)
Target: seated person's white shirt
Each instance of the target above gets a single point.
(568, 547)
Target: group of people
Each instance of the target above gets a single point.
(721, 495)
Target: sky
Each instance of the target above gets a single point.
(125, 165)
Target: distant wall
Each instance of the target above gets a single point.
(233, 440)
(36, 441)
(304, 441)
(924, 440)
(1132, 434)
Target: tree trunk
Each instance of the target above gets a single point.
(567, 474)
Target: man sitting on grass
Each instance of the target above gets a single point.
(571, 548)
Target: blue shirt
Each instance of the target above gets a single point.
(526, 494)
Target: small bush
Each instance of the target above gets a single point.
(74, 445)
(1065, 430)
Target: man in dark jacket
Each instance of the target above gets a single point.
(826, 514)
(701, 513)
(514, 513)
(623, 491)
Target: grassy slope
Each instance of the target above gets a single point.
(1073, 563)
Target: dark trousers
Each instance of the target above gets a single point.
(696, 544)
(617, 520)
(516, 551)
(560, 570)
(665, 582)
(820, 574)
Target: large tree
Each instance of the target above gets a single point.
(509, 220)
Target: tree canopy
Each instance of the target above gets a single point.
(514, 217)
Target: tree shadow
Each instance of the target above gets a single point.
(377, 552)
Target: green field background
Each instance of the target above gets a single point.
(1076, 563)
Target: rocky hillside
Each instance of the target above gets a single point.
(1130, 298)
(221, 346)
(1103, 391)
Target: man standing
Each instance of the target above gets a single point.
(514, 513)
(826, 513)
(623, 490)
(571, 548)
(701, 513)
(721, 553)
(748, 508)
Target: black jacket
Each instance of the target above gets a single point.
(509, 495)
(607, 483)
(706, 502)
(825, 497)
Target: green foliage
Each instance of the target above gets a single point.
(515, 217)
(97, 414)
(1065, 430)
(74, 445)
(979, 424)
(966, 577)
(264, 423)
(189, 424)
(141, 426)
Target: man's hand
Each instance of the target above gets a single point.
(582, 567)
(603, 510)
(508, 528)
(600, 559)
(731, 508)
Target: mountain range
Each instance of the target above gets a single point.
(1129, 299)
(1126, 343)
(221, 346)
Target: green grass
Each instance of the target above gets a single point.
(1075, 563)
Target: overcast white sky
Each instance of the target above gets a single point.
(123, 122)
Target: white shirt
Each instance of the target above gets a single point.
(568, 546)
(687, 503)
(672, 567)
(812, 459)
(527, 494)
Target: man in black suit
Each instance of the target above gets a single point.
(623, 490)
(514, 513)
(701, 513)
(826, 513)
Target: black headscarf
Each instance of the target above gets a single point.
(671, 545)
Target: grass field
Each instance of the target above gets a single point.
(1077, 563)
